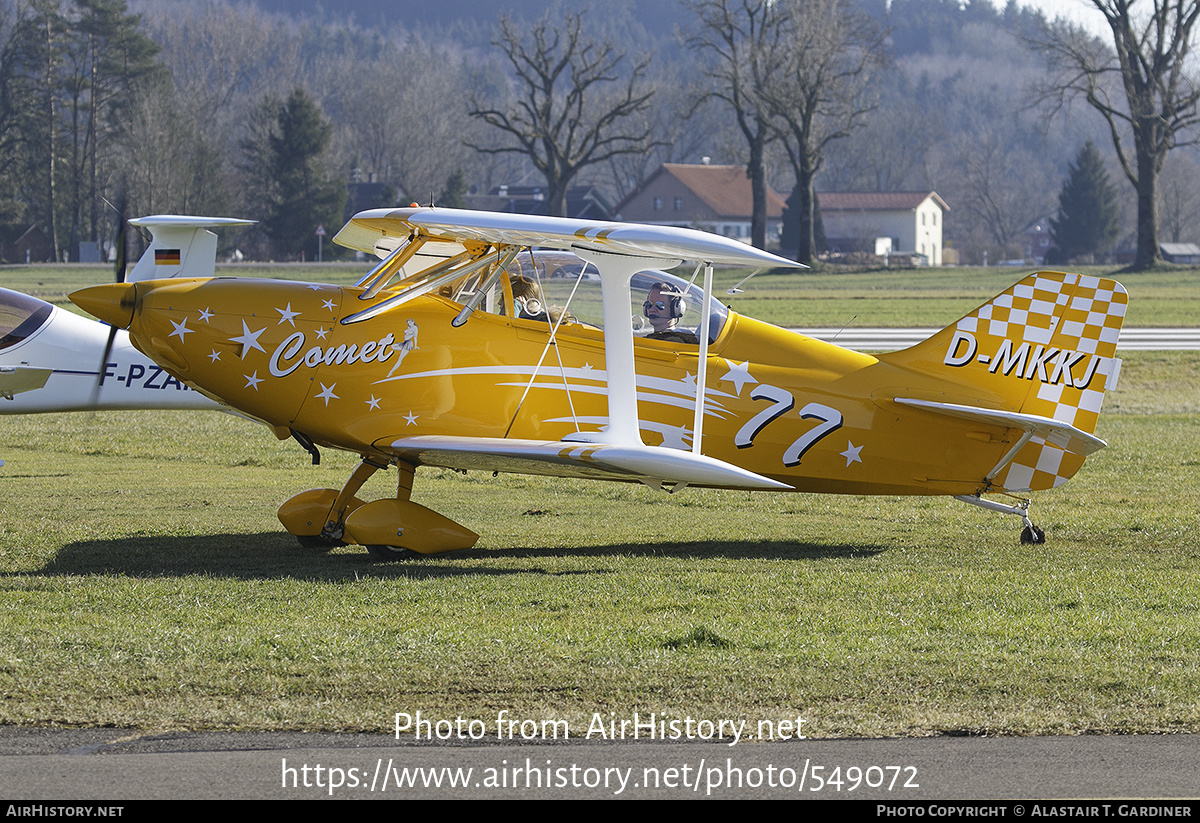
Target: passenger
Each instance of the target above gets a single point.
(528, 297)
(664, 308)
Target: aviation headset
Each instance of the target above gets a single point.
(672, 299)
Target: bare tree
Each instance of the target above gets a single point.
(573, 108)
(823, 91)
(887, 153)
(687, 131)
(403, 133)
(744, 42)
(1000, 188)
(1149, 59)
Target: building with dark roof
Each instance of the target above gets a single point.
(712, 198)
(583, 202)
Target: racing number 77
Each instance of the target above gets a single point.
(781, 403)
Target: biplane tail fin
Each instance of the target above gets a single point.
(1040, 355)
(180, 246)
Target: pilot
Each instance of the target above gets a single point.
(664, 309)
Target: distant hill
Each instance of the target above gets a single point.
(473, 18)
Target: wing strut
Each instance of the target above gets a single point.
(382, 273)
(550, 341)
(485, 287)
(426, 281)
(616, 272)
(702, 363)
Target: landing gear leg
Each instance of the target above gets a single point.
(335, 525)
(1031, 535)
(404, 485)
(318, 517)
(399, 529)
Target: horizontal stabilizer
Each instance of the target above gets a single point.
(381, 230)
(649, 464)
(180, 246)
(1063, 435)
(16, 379)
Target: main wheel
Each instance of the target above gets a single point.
(391, 553)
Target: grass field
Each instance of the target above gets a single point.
(897, 298)
(145, 582)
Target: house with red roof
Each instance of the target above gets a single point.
(712, 198)
(881, 222)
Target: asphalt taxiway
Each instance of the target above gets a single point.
(114, 765)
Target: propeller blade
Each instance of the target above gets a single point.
(108, 347)
(120, 264)
(120, 261)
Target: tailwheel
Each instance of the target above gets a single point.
(1031, 535)
(380, 552)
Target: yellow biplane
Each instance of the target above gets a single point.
(510, 343)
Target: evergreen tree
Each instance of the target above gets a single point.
(109, 62)
(455, 194)
(1087, 208)
(303, 195)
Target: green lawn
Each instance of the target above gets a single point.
(145, 582)
(938, 297)
(900, 298)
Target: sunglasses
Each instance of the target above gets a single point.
(657, 304)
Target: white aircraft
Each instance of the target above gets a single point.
(52, 360)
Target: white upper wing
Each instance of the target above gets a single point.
(380, 231)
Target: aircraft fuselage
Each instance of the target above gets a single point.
(797, 410)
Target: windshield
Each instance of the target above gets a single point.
(556, 284)
(20, 316)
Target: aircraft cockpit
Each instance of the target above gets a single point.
(559, 288)
(20, 316)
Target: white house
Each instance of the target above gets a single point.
(881, 221)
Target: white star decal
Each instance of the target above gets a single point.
(252, 381)
(739, 375)
(205, 314)
(411, 418)
(215, 356)
(315, 287)
(322, 332)
(326, 393)
(249, 340)
(689, 380)
(328, 304)
(586, 367)
(180, 329)
(373, 402)
(851, 453)
(676, 437)
(288, 316)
